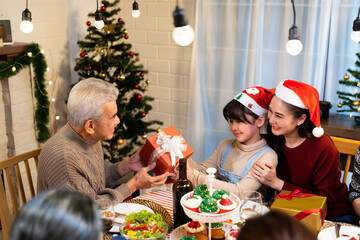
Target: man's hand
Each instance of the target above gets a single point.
(143, 180)
(266, 174)
(131, 164)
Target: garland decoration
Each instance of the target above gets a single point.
(33, 55)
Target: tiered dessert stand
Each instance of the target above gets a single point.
(210, 217)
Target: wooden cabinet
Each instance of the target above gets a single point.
(340, 125)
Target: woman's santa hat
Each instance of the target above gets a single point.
(303, 96)
(256, 99)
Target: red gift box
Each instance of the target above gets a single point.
(165, 148)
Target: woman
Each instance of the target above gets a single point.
(58, 215)
(354, 191)
(234, 157)
(275, 225)
(308, 160)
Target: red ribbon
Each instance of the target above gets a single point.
(305, 213)
(296, 193)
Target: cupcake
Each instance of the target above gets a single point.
(226, 204)
(194, 227)
(188, 237)
(219, 193)
(217, 234)
(202, 191)
(214, 226)
(209, 205)
(201, 236)
(232, 234)
(193, 203)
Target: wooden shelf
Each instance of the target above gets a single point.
(9, 51)
(340, 125)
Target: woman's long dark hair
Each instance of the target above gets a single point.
(275, 225)
(58, 215)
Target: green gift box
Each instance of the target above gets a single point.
(310, 209)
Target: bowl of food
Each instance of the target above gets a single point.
(144, 225)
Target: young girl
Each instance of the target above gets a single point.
(308, 160)
(233, 158)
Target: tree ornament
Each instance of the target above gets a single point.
(358, 84)
(82, 49)
(339, 104)
(358, 109)
(356, 103)
(89, 67)
(121, 77)
(131, 54)
(119, 20)
(88, 23)
(102, 74)
(158, 129)
(147, 82)
(120, 141)
(137, 59)
(125, 30)
(144, 137)
(142, 74)
(82, 54)
(138, 96)
(76, 69)
(126, 36)
(346, 77)
(143, 114)
(136, 86)
(103, 8)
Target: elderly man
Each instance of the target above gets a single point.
(73, 157)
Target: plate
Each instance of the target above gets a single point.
(249, 204)
(180, 231)
(127, 208)
(329, 233)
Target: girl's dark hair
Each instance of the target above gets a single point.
(305, 129)
(275, 225)
(58, 214)
(235, 110)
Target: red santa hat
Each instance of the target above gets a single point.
(256, 99)
(303, 96)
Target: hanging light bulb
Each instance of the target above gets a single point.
(135, 10)
(99, 23)
(183, 34)
(26, 26)
(294, 45)
(355, 35)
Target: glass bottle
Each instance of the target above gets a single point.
(181, 186)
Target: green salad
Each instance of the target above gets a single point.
(144, 224)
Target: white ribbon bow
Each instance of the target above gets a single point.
(175, 146)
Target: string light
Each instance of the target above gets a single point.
(57, 117)
(13, 68)
(48, 69)
(29, 54)
(50, 82)
(52, 99)
(42, 51)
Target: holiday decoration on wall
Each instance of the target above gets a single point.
(349, 101)
(33, 55)
(107, 55)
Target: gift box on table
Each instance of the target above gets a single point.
(310, 209)
(165, 148)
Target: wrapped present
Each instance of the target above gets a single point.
(165, 148)
(310, 209)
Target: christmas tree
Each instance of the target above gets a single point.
(105, 55)
(350, 100)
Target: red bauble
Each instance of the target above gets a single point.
(136, 86)
(88, 23)
(82, 54)
(138, 96)
(89, 67)
(120, 20)
(142, 74)
(143, 114)
(76, 68)
(102, 8)
(131, 54)
(126, 36)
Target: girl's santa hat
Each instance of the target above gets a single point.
(303, 96)
(256, 99)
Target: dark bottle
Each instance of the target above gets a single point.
(181, 186)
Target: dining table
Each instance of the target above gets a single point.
(161, 201)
